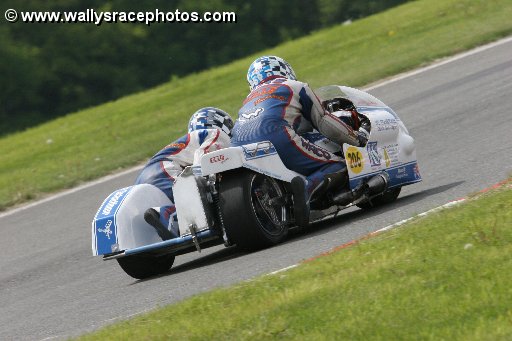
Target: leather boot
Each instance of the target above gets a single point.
(152, 217)
(300, 201)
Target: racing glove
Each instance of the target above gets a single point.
(362, 136)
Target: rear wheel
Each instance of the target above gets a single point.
(382, 199)
(144, 266)
(253, 209)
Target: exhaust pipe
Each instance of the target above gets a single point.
(378, 184)
(374, 186)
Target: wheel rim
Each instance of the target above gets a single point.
(270, 216)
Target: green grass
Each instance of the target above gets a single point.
(442, 277)
(101, 140)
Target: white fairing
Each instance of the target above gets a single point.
(260, 157)
(119, 223)
(390, 148)
(190, 205)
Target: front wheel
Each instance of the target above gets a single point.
(144, 266)
(253, 209)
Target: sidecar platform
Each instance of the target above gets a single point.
(176, 246)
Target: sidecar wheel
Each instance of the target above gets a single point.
(383, 199)
(251, 218)
(144, 266)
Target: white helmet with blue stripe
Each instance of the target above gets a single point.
(211, 118)
(266, 68)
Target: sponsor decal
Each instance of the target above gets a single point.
(391, 154)
(386, 124)
(354, 160)
(401, 173)
(417, 174)
(251, 114)
(113, 201)
(315, 149)
(373, 154)
(218, 158)
(279, 98)
(263, 91)
(107, 229)
(404, 174)
(386, 157)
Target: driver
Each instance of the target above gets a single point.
(209, 129)
(273, 111)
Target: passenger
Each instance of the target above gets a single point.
(209, 129)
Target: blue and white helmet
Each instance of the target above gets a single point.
(266, 68)
(211, 118)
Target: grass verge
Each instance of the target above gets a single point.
(442, 277)
(101, 140)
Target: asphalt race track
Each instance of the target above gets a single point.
(52, 288)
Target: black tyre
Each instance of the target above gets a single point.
(253, 209)
(144, 266)
(385, 198)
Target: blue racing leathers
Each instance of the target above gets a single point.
(163, 168)
(273, 112)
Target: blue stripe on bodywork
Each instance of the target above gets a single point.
(401, 175)
(105, 227)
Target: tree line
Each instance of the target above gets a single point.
(50, 69)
